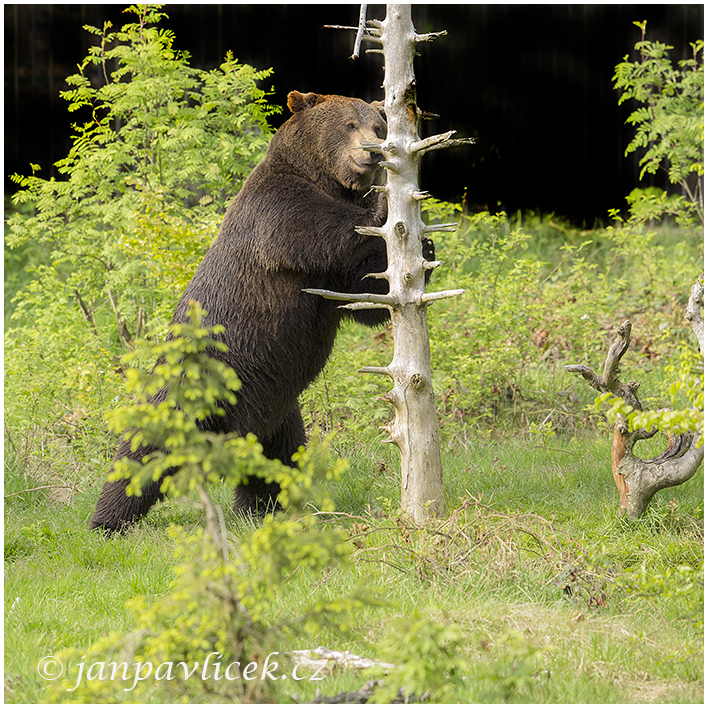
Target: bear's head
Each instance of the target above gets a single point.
(334, 127)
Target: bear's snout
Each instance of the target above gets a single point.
(369, 160)
(364, 159)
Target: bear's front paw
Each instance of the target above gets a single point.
(380, 209)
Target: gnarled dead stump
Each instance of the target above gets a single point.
(638, 480)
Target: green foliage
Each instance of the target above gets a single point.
(544, 431)
(683, 583)
(60, 376)
(501, 604)
(671, 127)
(218, 613)
(510, 594)
(685, 413)
(512, 669)
(482, 338)
(539, 294)
(527, 307)
(222, 598)
(430, 658)
(669, 119)
(192, 386)
(157, 135)
(434, 663)
(159, 148)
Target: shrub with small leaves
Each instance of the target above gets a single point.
(669, 117)
(685, 413)
(162, 144)
(430, 657)
(439, 661)
(683, 583)
(670, 127)
(191, 385)
(159, 149)
(224, 607)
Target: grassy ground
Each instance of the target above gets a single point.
(535, 567)
(531, 590)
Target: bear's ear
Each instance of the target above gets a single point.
(299, 102)
(379, 105)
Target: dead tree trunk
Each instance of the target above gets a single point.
(415, 426)
(638, 480)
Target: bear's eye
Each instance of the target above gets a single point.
(351, 126)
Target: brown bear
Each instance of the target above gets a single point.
(291, 227)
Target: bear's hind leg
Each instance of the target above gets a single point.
(257, 495)
(115, 510)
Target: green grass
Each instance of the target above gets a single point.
(557, 599)
(534, 569)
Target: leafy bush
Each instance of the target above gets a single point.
(160, 150)
(159, 134)
(195, 385)
(434, 665)
(670, 129)
(686, 398)
(682, 582)
(539, 294)
(222, 599)
(481, 340)
(669, 117)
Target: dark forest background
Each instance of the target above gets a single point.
(532, 83)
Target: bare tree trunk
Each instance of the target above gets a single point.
(643, 478)
(415, 426)
(638, 480)
(694, 313)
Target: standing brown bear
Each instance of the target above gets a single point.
(292, 226)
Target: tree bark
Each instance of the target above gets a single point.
(638, 480)
(643, 478)
(414, 429)
(694, 313)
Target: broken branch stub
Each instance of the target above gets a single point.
(638, 480)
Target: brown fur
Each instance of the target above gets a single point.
(290, 227)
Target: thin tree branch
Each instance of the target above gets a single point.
(609, 381)
(88, 315)
(360, 31)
